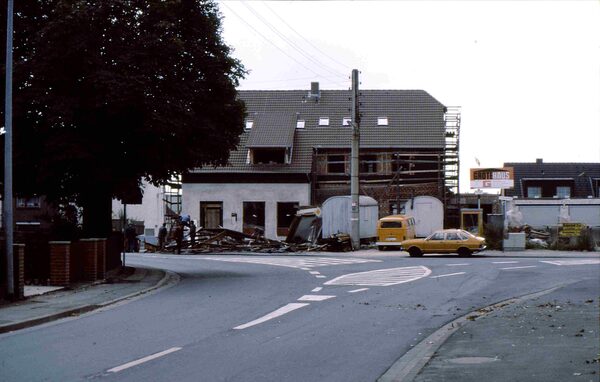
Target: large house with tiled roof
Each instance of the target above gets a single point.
(295, 151)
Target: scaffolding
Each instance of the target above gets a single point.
(452, 119)
(172, 200)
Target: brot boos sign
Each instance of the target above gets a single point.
(492, 177)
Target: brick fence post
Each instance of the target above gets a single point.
(60, 262)
(101, 259)
(19, 272)
(89, 248)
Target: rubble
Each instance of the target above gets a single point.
(216, 240)
(535, 239)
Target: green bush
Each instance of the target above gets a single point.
(493, 236)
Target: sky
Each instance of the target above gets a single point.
(525, 73)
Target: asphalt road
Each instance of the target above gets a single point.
(323, 317)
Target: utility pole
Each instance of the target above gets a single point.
(124, 233)
(7, 202)
(354, 181)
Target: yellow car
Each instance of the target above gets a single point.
(445, 241)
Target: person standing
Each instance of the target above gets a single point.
(162, 237)
(192, 233)
(131, 238)
(178, 236)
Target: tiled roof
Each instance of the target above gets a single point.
(583, 175)
(415, 121)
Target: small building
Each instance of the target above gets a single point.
(548, 194)
(543, 180)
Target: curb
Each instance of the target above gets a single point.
(412, 362)
(169, 279)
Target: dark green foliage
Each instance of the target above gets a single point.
(494, 236)
(107, 93)
(583, 242)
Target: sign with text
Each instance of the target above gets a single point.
(503, 177)
(571, 229)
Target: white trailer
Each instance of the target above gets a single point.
(428, 213)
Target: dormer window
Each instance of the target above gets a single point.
(346, 121)
(534, 192)
(382, 121)
(563, 192)
(249, 124)
(300, 124)
(324, 121)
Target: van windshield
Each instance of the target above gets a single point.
(391, 224)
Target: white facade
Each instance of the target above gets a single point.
(151, 211)
(233, 195)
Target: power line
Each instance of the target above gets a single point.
(292, 43)
(305, 39)
(269, 41)
(298, 79)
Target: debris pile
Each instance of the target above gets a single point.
(215, 240)
(536, 239)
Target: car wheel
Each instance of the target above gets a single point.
(415, 252)
(464, 252)
(381, 248)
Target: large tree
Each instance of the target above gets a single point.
(108, 93)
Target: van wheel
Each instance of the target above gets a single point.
(415, 252)
(464, 252)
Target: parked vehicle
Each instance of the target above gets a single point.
(445, 241)
(393, 229)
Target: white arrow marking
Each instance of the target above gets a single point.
(315, 297)
(276, 313)
(142, 360)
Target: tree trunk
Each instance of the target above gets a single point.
(97, 213)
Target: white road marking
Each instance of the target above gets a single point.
(573, 262)
(382, 277)
(527, 266)
(455, 265)
(505, 262)
(295, 262)
(314, 273)
(449, 274)
(317, 289)
(358, 290)
(142, 360)
(274, 314)
(315, 297)
(321, 277)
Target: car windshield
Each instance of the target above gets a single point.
(466, 233)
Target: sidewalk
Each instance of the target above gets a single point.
(548, 336)
(82, 298)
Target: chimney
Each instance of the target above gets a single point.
(539, 161)
(314, 93)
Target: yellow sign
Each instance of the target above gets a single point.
(571, 229)
(492, 177)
